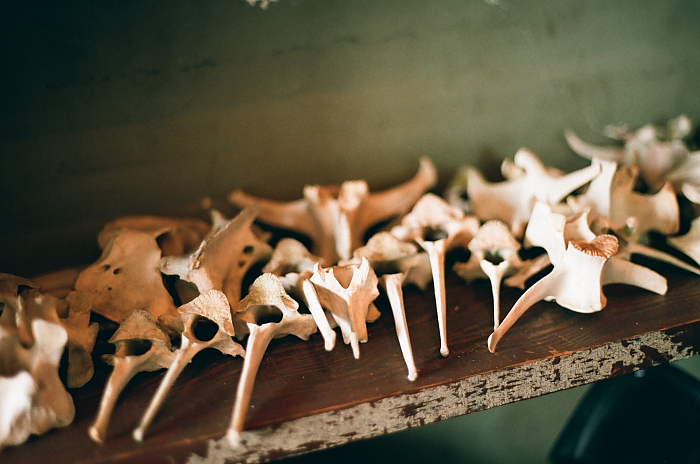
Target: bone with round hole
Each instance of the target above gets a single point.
(347, 293)
(140, 346)
(222, 259)
(656, 151)
(294, 264)
(437, 227)
(267, 312)
(81, 338)
(494, 256)
(511, 201)
(398, 263)
(337, 217)
(32, 398)
(177, 236)
(126, 278)
(210, 307)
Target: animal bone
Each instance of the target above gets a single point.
(81, 339)
(294, 264)
(179, 235)
(141, 346)
(583, 264)
(437, 227)
(347, 292)
(32, 397)
(512, 201)
(575, 283)
(222, 259)
(653, 212)
(59, 283)
(398, 263)
(126, 278)
(494, 255)
(689, 243)
(337, 217)
(210, 307)
(656, 152)
(14, 313)
(268, 312)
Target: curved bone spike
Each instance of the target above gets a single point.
(620, 271)
(311, 300)
(659, 255)
(436, 254)
(392, 284)
(258, 340)
(188, 349)
(495, 274)
(124, 370)
(560, 187)
(539, 291)
(591, 151)
(689, 243)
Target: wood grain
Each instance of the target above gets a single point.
(307, 399)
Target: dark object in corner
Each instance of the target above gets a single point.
(651, 416)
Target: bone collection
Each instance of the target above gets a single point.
(589, 222)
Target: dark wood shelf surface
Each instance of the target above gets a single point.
(307, 399)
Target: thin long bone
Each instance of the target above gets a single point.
(397, 263)
(268, 312)
(512, 201)
(211, 306)
(136, 332)
(222, 259)
(294, 264)
(337, 217)
(347, 292)
(494, 255)
(437, 227)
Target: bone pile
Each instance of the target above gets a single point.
(589, 223)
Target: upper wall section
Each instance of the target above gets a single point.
(123, 107)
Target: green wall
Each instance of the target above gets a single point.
(119, 107)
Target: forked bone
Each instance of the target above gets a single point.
(437, 227)
(126, 278)
(222, 259)
(178, 235)
(209, 308)
(141, 346)
(294, 264)
(268, 313)
(580, 270)
(337, 217)
(574, 283)
(494, 255)
(512, 201)
(347, 292)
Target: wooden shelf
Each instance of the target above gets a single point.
(307, 399)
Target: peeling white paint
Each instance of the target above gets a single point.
(473, 394)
